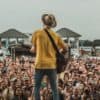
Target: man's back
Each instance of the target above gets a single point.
(45, 58)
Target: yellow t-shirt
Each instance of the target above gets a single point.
(45, 53)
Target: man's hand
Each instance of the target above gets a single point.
(32, 50)
(65, 49)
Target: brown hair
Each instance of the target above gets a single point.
(51, 21)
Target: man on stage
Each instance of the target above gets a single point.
(45, 63)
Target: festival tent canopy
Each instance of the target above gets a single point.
(13, 33)
(65, 32)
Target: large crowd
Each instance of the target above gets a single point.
(80, 81)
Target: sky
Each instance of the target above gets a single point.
(81, 16)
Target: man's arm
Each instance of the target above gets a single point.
(33, 41)
(62, 46)
(33, 49)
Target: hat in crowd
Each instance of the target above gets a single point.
(13, 79)
(25, 78)
(49, 20)
(90, 73)
(79, 85)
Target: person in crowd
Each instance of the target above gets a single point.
(81, 79)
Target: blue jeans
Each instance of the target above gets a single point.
(52, 75)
